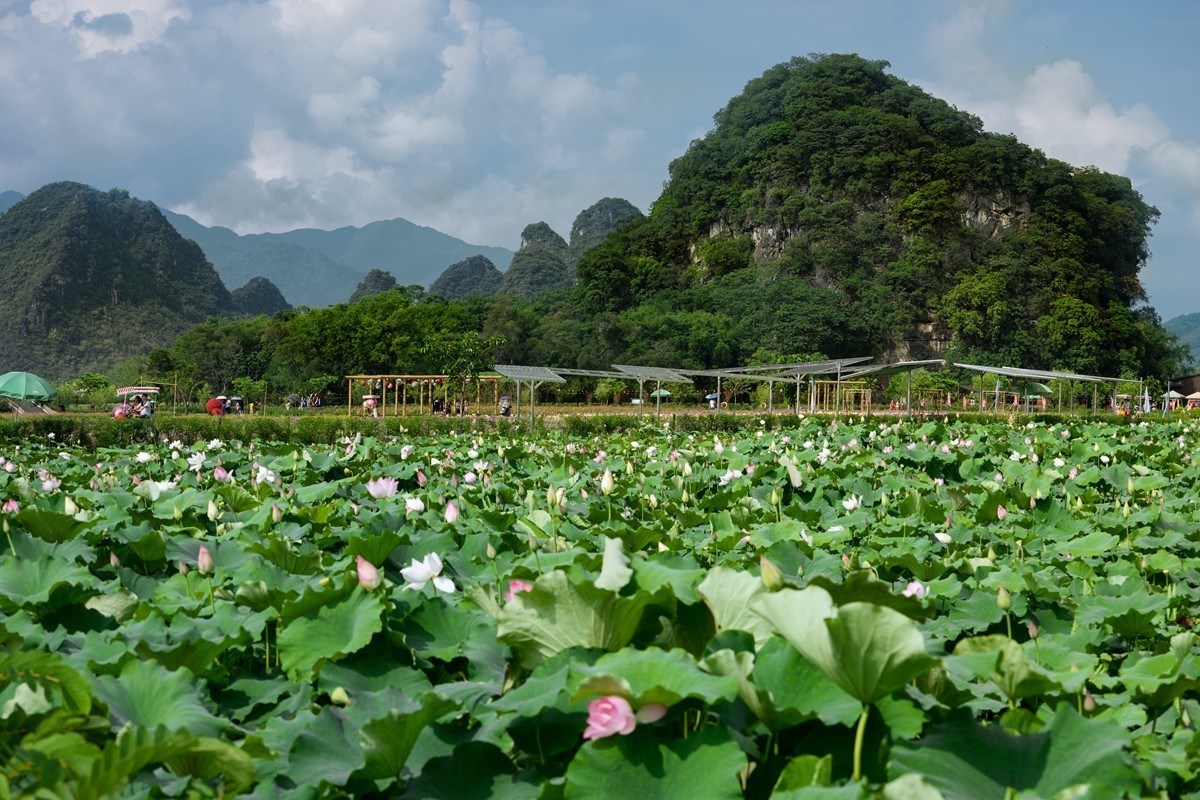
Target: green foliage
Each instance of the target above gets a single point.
(542, 264)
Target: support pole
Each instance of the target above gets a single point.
(349, 396)
(908, 397)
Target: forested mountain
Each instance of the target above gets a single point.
(258, 296)
(374, 282)
(1186, 328)
(844, 188)
(833, 209)
(594, 224)
(87, 277)
(318, 268)
(8, 199)
(541, 264)
(475, 275)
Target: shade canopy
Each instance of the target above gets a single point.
(1194, 396)
(26, 386)
(660, 393)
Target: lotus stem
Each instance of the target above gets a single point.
(858, 743)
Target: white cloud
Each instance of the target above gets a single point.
(118, 26)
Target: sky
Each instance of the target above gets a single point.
(479, 118)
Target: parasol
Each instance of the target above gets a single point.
(26, 386)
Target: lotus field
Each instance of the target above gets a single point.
(830, 610)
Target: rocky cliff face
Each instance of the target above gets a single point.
(474, 275)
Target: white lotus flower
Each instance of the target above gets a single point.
(426, 570)
(196, 461)
(215, 444)
(413, 505)
(944, 538)
(143, 457)
(852, 502)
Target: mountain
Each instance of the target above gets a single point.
(259, 296)
(893, 223)
(475, 275)
(594, 224)
(318, 268)
(88, 278)
(1187, 328)
(541, 264)
(374, 282)
(8, 199)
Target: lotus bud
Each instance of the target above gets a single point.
(687, 470)
(184, 569)
(491, 552)
(204, 561)
(339, 697)
(662, 547)
(1089, 702)
(560, 495)
(1033, 629)
(1003, 599)
(774, 497)
(421, 479)
(368, 575)
(176, 512)
(551, 496)
(213, 511)
(533, 542)
(1129, 485)
(1125, 510)
(583, 493)
(846, 560)
(606, 482)
(652, 499)
(1001, 513)
(451, 514)
(69, 507)
(684, 497)
(883, 501)
(772, 577)
(113, 560)
(276, 513)
(991, 553)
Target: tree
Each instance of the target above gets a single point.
(462, 357)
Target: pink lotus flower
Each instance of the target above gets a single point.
(915, 589)
(421, 479)
(612, 714)
(220, 474)
(515, 587)
(368, 575)
(11, 506)
(51, 484)
(383, 488)
(1001, 513)
(608, 716)
(451, 514)
(204, 561)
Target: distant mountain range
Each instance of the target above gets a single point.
(1187, 328)
(319, 268)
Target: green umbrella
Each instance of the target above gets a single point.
(26, 386)
(660, 393)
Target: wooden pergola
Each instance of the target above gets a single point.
(424, 389)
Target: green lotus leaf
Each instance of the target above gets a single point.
(968, 761)
(50, 526)
(652, 676)
(343, 626)
(474, 771)
(1008, 666)
(730, 595)
(557, 614)
(868, 650)
(705, 764)
(29, 583)
(149, 695)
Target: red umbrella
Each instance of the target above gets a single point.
(215, 407)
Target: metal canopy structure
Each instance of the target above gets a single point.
(534, 377)
(792, 372)
(879, 370)
(1034, 375)
(656, 374)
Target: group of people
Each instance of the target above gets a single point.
(221, 405)
(137, 406)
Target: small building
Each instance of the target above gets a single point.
(1186, 384)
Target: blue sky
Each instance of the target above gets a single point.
(477, 118)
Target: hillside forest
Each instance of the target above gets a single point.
(833, 209)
